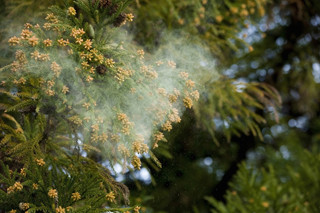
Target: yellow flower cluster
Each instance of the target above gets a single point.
(140, 53)
(158, 136)
(110, 197)
(25, 34)
(265, 204)
(188, 103)
(86, 105)
(234, 10)
(103, 137)
(60, 210)
(72, 11)
(65, 89)
(63, 42)
(126, 124)
(129, 17)
(140, 147)
(172, 64)
(149, 72)
(38, 56)
(47, 26)
(219, 18)
(40, 162)
(87, 44)
(174, 116)
(24, 206)
(20, 62)
(263, 188)
(23, 172)
(77, 33)
(50, 92)
(123, 74)
(97, 57)
(35, 186)
(75, 196)
(158, 63)
(56, 68)
(174, 97)
(123, 150)
(22, 80)
(53, 193)
(13, 41)
(136, 162)
(17, 186)
(184, 75)
(115, 138)
(21, 57)
(195, 94)
(190, 83)
(95, 128)
(162, 91)
(95, 137)
(202, 11)
(181, 21)
(160, 116)
(27, 25)
(136, 209)
(167, 126)
(89, 78)
(52, 18)
(33, 41)
(109, 62)
(85, 65)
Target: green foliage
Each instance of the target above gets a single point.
(284, 55)
(40, 137)
(41, 121)
(66, 177)
(14, 14)
(72, 91)
(220, 26)
(217, 23)
(45, 179)
(77, 67)
(273, 190)
(234, 107)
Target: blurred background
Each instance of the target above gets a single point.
(252, 142)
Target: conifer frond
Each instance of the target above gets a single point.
(21, 105)
(155, 159)
(5, 139)
(9, 94)
(254, 190)
(232, 107)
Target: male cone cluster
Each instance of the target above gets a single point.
(105, 3)
(119, 20)
(101, 69)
